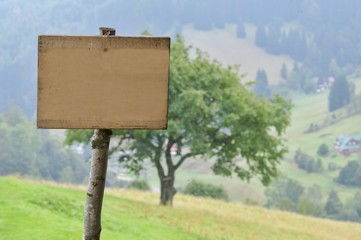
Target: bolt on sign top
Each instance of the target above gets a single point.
(103, 82)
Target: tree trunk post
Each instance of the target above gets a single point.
(98, 170)
(167, 190)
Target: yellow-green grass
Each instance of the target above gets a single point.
(198, 169)
(223, 45)
(34, 210)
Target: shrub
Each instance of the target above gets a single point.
(139, 184)
(199, 188)
(323, 150)
(350, 174)
(307, 163)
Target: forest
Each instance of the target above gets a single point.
(322, 36)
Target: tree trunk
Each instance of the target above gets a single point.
(94, 200)
(98, 171)
(167, 190)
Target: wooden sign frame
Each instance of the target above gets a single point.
(103, 82)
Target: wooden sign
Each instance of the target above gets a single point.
(103, 82)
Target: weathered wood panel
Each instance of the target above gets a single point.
(103, 82)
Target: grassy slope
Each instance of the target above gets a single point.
(223, 45)
(33, 210)
(313, 109)
(307, 109)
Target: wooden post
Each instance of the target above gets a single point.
(98, 170)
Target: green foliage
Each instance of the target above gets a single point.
(284, 194)
(307, 207)
(323, 150)
(26, 150)
(78, 135)
(350, 174)
(261, 86)
(139, 184)
(351, 210)
(339, 95)
(301, 79)
(289, 195)
(199, 188)
(314, 199)
(333, 205)
(210, 115)
(308, 163)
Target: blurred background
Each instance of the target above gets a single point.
(308, 51)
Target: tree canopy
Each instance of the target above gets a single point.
(210, 116)
(261, 86)
(339, 95)
(333, 205)
(28, 151)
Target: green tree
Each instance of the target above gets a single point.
(284, 194)
(314, 195)
(307, 207)
(323, 150)
(333, 205)
(339, 95)
(357, 201)
(261, 86)
(26, 150)
(350, 174)
(351, 209)
(284, 71)
(210, 116)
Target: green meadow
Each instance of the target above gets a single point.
(42, 210)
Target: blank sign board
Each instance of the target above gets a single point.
(103, 82)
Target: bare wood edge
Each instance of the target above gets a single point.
(61, 124)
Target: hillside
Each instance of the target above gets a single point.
(313, 109)
(34, 210)
(307, 109)
(223, 45)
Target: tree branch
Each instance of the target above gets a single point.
(168, 156)
(157, 156)
(182, 159)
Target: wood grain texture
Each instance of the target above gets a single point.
(103, 82)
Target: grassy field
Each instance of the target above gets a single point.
(34, 210)
(223, 45)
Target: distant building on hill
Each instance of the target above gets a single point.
(347, 144)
